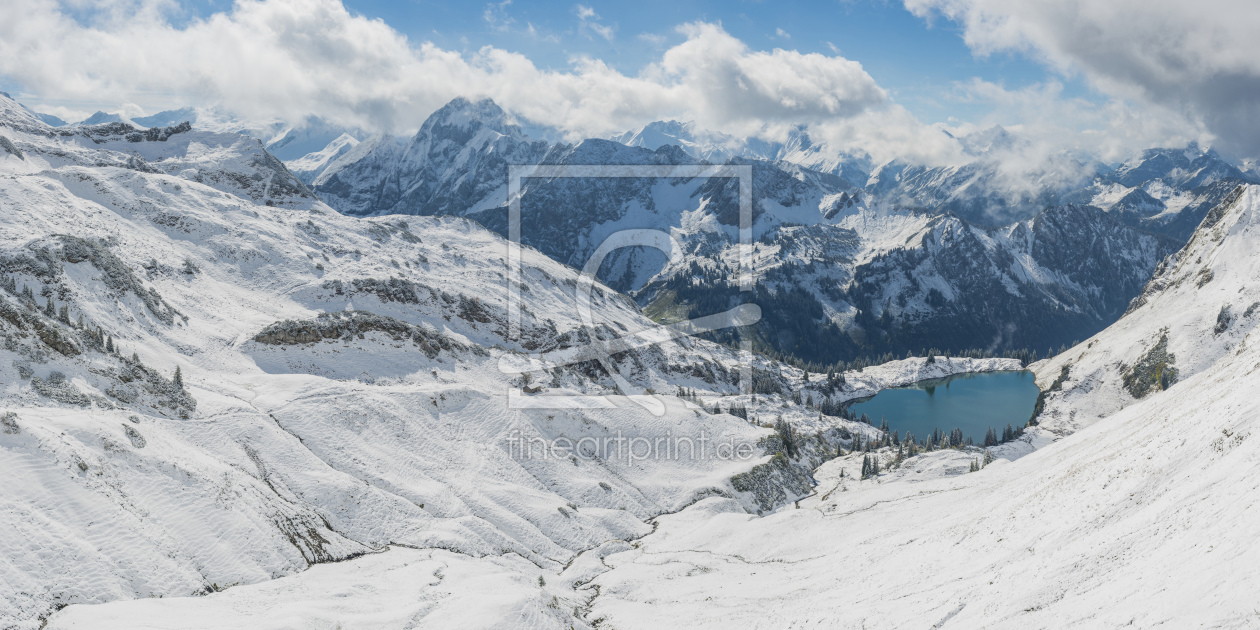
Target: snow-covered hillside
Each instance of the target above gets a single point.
(1200, 307)
(1143, 518)
(212, 379)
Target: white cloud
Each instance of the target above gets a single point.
(1052, 123)
(497, 18)
(782, 34)
(1200, 59)
(588, 22)
(295, 58)
(652, 38)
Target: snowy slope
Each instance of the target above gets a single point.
(339, 386)
(1142, 519)
(1200, 307)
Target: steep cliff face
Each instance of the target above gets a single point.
(1053, 279)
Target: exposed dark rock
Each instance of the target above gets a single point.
(347, 325)
(1154, 370)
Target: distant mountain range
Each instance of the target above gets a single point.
(854, 259)
(851, 260)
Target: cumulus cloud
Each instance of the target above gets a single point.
(294, 58)
(1201, 59)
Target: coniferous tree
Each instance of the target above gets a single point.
(51, 309)
(109, 344)
(178, 379)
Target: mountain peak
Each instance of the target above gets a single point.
(100, 118)
(463, 113)
(986, 141)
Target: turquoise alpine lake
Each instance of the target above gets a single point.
(972, 402)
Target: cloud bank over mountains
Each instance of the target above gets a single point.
(290, 59)
(1197, 59)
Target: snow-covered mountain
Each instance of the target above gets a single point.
(1062, 275)
(100, 118)
(225, 404)
(1142, 518)
(986, 191)
(47, 119)
(312, 137)
(319, 433)
(717, 147)
(857, 271)
(1166, 191)
(310, 166)
(1200, 306)
(309, 144)
(212, 379)
(456, 163)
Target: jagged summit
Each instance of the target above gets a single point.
(462, 113)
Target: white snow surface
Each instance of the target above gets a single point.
(311, 165)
